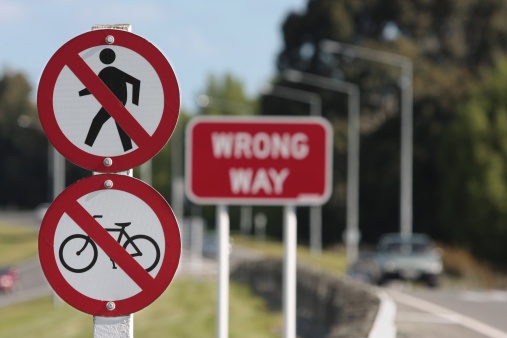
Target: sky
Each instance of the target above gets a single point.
(198, 37)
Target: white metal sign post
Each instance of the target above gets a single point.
(289, 271)
(260, 161)
(223, 271)
(109, 244)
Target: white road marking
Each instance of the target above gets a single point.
(484, 296)
(423, 317)
(445, 313)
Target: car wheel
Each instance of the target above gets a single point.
(432, 281)
(381, 281)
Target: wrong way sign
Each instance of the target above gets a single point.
(258, 160)
(109, 245)
(108, 100)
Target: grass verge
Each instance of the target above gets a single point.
(17, 243)
(331, 260)
(186, 309)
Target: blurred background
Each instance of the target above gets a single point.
(440, 64)
(232, 51)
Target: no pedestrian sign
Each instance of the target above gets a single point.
(109, 245)
(258, 160)
(108, 100)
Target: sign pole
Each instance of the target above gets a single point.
(123, 326)
(289, 162)
(114, 327)
(289, 271)
(222, 218)
(117, 327)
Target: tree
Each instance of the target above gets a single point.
(474, 168)
(23, 174)
(163, 163)
(449, 43)
(225, 96)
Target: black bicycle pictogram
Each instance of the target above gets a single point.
(87, 249)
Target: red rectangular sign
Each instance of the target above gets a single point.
(258, 160)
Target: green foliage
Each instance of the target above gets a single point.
(474, 167)
(168, 163)
(451, 44)
(14, 101)
(17, 243)
(186, 309)
(330, 260)
(23, 151)
(225, 96)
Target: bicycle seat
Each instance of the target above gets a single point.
(123, 224)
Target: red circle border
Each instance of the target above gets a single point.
(169, 86)
(169, 262)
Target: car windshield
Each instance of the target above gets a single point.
(399, 245)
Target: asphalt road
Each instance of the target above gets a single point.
(425, 313)
(31, 284)
(21, 218)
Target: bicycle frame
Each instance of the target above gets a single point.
(123, 232)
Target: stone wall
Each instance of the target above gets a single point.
(327, 306)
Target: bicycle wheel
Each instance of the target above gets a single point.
(146, 249)
(81, 253)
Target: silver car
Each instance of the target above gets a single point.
(410, 258)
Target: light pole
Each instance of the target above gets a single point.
(56, 162)
(315, 110)
(206, 101)
(177, 181)
(56, 167)
(296, 95)
(405, 64)
(352, 234)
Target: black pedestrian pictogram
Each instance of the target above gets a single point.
(116, 80)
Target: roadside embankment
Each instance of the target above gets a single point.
(327, 306)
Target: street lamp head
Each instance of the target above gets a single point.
(335, 47)
(330, 46)
(203, 100)
(24, 121)
(266, 89)
(293, 75)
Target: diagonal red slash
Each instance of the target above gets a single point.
(108, 100)
(110, 246)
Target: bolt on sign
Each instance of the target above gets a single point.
(258, 160)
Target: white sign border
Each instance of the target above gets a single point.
(303, 200)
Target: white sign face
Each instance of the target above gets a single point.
(76, 114)
(128, 220)
(108, 94)
(109, 238)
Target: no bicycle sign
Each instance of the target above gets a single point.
(109, 245)
(108, 100)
